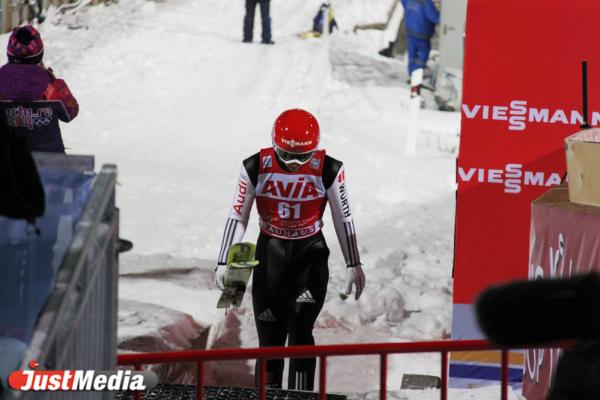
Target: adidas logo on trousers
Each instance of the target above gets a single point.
(306, 297)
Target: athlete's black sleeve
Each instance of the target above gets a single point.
(334, 179)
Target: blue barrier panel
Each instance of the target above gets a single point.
(28, 262)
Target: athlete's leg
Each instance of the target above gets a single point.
(307, 296)
(268, 286)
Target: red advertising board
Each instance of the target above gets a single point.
(521, 97)
(565, 240)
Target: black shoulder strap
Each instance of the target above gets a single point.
(331, 167)
(252, 165)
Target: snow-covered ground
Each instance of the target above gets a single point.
(170, 94)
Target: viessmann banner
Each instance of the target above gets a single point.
(521, 97)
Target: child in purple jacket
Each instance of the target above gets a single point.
(32, 99)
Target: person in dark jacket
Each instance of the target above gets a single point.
(325, 11)
(265, 18)
(32, 99)
(421, 17)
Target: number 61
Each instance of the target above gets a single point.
(285, 210)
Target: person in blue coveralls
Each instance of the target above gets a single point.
(421, 17)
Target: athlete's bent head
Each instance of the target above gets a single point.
(296, 137)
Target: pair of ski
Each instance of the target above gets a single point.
(240, 263)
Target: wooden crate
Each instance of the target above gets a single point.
(583, 166)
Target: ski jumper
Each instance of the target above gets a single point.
(290, 283)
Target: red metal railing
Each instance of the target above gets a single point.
(324, 351)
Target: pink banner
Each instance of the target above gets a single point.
(565, 240)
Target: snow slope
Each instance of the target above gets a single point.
(170, 94)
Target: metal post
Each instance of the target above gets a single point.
(444, 386)
(504, 391)
(200, 384)
(138, 394)
(584, 92)
(323, 378)
(383, 364)
(262, 389)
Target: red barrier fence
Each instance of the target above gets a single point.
(324, 351)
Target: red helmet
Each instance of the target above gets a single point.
(295, 136)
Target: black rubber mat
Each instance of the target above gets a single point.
(188, 392)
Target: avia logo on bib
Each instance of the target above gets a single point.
(517, 114)
(297, 190)
(74, 380)
(291, 187)
(512, 177)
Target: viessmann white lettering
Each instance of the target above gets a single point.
(518, 114)
(512, 177)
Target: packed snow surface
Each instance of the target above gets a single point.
(170, 94)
